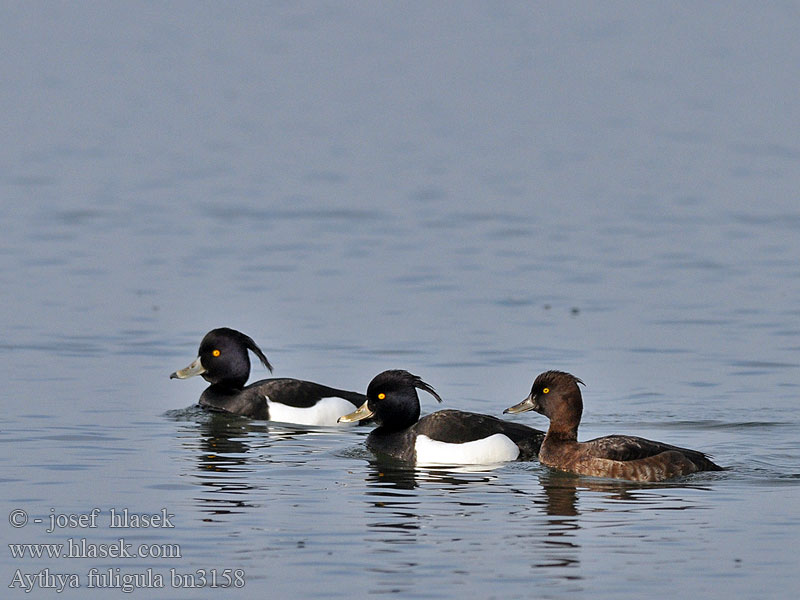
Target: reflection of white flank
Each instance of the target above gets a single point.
(324, 412)
(493, 449)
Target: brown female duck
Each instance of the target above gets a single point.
(556, 395)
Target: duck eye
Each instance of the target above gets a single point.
(546, 391)
(381, 396)
(215, 353)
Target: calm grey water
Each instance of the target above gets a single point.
(474, 191)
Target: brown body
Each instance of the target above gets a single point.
(557, 396)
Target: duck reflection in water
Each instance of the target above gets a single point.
(389, 472)
(225, 446)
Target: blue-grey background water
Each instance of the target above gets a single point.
(474, 191)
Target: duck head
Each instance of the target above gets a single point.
(392, 400)
(556, 395)
(222, 358)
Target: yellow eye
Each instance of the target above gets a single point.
(546, 391)
(381, 396)
(215, 352)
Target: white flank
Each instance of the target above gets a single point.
(493, 449)
(324, 412)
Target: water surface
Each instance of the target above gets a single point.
(476, 192)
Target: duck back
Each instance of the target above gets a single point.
(457, 427)
(629, 448)
(625, 457)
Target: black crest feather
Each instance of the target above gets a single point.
(425, 387)
(253, 347)
(399, 377)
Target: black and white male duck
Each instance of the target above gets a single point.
(223, 361)
(446, 437)
(556, 395)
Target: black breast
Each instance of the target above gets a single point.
(396, 444)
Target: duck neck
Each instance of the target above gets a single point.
(565, 416)
(228, 386)
(561, 433)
